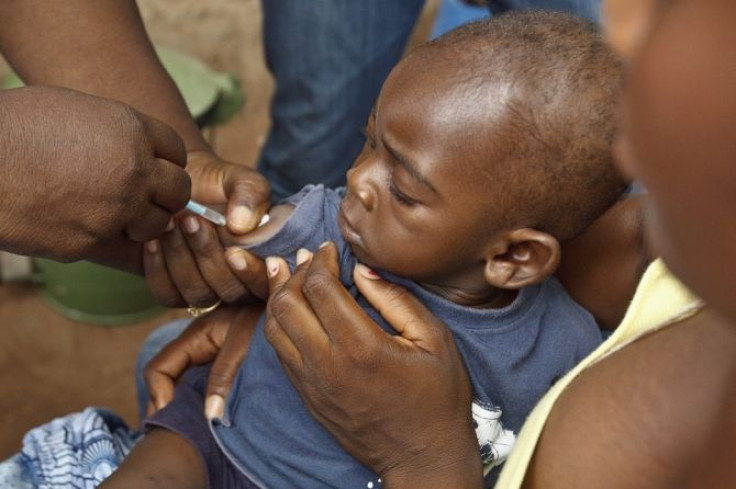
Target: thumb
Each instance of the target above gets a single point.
(278, 273)
(403, 311)
(229, 359)
(248, 198)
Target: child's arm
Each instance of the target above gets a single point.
(162, 459)
(277, 216)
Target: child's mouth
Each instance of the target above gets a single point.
(347, 230)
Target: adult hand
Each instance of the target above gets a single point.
(399, 404)
(189, 265)
(222, 337)
(80, 171)
(217, 182)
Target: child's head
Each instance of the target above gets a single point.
(485, 149)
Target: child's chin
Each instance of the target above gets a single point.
(364, 257)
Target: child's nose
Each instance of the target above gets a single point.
(362, 185)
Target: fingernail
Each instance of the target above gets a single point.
(214, 407)
(272, 265)
(324, 244)
(240, 216)
(191, 225)
(152, 246)
(160, 404)
(237, 260)
(302, 255)
(366, 272)
(170, 225)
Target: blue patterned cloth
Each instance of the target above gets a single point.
(78, 451)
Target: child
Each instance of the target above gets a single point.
(485, 149)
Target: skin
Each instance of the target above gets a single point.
(689, 367)
(101, 48)
(50, 180)
(655, 441)
(161, 459)
(424, 347)
(601, 268)
(403, 187)
(387, 203)
(643, 423)
(609, 251)
(215, 336)
(701, 190)
(638, 404)
(334, 353)
(408, 187)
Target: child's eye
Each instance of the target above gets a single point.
(400, 196)
(369, 139)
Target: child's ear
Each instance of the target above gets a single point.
(526, 257)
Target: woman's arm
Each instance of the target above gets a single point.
(656, 414)
(98, 47)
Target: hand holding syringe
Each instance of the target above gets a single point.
(212, 215)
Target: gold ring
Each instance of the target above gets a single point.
(195, 312)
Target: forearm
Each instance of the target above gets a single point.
(94, 46)
(455, 462)
(162, 459)
(460, 475)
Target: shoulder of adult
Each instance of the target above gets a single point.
(659, 410)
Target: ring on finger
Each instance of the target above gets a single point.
(195, 311)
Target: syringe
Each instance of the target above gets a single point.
(206, 212)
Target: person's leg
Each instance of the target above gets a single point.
(329, 59)
(589, 9)
(153, 344)
(161, 459)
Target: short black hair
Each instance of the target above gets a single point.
(555, 138)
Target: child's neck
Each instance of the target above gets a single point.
(486, 298)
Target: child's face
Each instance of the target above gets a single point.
(418, 203)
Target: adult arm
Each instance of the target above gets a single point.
(656, 414)
(101, 47)
(94, 46)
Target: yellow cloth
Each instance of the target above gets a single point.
(660, 300)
